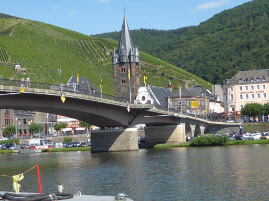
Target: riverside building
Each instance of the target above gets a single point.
(250, 86)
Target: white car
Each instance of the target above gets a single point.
(256, 136)
(247, 136)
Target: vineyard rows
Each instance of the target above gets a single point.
(90, 49)
(3, 56)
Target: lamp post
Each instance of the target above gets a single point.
(59, 71)
(16, 119)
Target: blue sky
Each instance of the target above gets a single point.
(100, 16)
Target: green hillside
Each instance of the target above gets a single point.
(41, 49)
(236, 39)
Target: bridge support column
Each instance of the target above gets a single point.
(114, 140)
(192, 129)
(170, 134)
(202, 128)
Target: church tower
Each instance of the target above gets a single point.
(126, 66)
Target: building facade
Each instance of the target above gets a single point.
(250, 86)
(126, 66)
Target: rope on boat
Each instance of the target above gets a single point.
(36, 197)
(3, 175)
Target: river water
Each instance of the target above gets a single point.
(208, 173)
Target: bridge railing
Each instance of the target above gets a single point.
(193, 115)
(61, 88)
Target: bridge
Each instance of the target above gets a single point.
(106, 111)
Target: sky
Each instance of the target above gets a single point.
(100, 16)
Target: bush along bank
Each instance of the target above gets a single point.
(209, 140)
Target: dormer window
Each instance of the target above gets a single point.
(263, 79)
(240, 80)
(258, 79)
(252, 79)
(246, 80)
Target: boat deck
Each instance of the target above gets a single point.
(86, 197)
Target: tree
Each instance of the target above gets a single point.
(59, 126)
(9, 130)
(85, 125)
(35, 128)
(266, 109)
(252, 109)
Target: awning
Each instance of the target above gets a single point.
(67, 129)
(80, 129)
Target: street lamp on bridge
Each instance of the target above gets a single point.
(59, 71)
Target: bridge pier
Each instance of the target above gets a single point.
(114, 140)
(193, 126)
(170, 134)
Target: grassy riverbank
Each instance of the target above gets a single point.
(6, 151)
(229, 142)
(69, 149)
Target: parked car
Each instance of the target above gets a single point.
(83, 144)
(256, 136)
(266, 135)
(238, 137)
(248, 136)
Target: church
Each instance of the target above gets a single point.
(126, 66)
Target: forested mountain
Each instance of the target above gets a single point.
(233, 40)
(42, 49)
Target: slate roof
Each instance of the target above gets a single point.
(126, 51)
(195, 91)
(249, 76)
(84, 83)
(159, 95)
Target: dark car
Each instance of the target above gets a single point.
(83, 144)
(238, 137)
(69, 144)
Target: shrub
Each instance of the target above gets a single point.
(209, 140)
(67, 139)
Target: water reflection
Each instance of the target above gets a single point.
(211, 173)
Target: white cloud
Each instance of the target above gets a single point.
(212, 4)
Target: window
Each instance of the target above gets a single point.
(143, 98)
(232, 88)
(263, 86)
(188, 102)
(246, 96)
(123, 81)
(24, 121)
(7, 122)
(7, 113)
(179, 102)
(257, 79)
(123, 70)
(258, 86)
(232, 108)
(252, 87)
(259, 95)
(264, 95)
(231, 96)
(241, 88)
(241, 96)
(246, 87)
(252, 95)
(240, 80)
(24, 131)
(241, 106)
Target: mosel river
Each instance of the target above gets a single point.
(210, 173)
